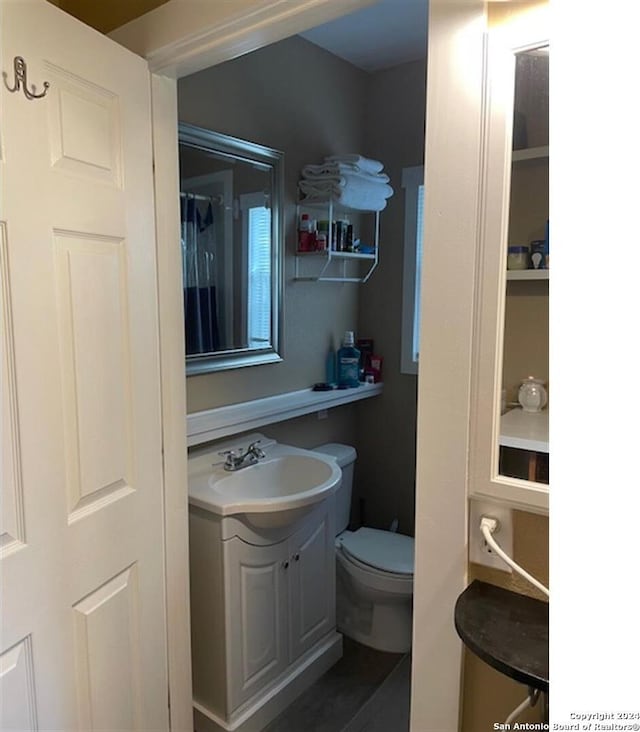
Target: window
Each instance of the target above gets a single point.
(413, 184)
(257, 240)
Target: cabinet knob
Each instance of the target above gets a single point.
(285, 564)
(296, 557)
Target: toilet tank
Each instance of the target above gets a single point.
(345, 456)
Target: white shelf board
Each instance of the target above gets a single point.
(522, 495)
(213, 424)
(337, 255)
(527, 274)
(525, 430)
(530, 153)
(319, 205)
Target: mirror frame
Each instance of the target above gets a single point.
(485, 480)
(249, 152)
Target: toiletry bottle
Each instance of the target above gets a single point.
(349, 239)
(348, 362)
(322, 235)
(305, 234)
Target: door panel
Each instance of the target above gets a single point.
(84, 128)
(12, 528)
(91, 283)
(257, 615)
(18, 708)
(82, 564)
(108, 655)
(312, 593)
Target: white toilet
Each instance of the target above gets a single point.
(374, 573)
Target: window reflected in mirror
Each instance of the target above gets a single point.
(230, 199)
(524, 430)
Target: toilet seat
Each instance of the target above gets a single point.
(392, 585)
(383, 552)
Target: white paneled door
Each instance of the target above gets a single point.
(83, 638)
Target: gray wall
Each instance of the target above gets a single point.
(386, 426)
(306, 102)
(297, 97)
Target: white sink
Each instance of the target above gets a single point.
(276, 491)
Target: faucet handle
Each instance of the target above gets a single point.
(231, 458)
(253, 448)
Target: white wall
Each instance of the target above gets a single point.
(454, 71)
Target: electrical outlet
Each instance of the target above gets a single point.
(479, 550)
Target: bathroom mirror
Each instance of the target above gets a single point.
(231, 197)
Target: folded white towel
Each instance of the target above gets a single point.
(353, 200)
(359, 198)
(336, 186)
(367, 165)
(338, 169)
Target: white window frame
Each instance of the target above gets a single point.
(249, 201)
(413, 184)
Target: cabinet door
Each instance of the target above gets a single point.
(512, 327)
(256, 610)
(312, 583)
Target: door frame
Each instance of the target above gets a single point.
(178, 41)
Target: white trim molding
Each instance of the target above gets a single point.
(452, 155)
(412, 179)
(214, 424)
(180, 38)
(185, 36)
(173, 396)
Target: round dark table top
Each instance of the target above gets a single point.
(508, 631)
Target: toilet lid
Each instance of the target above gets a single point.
(383, 550)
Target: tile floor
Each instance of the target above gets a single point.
(366, 691)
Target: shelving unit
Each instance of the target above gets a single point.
(525, 430)
(527, 274)
(530, 153)
(524, 437)
(509, 454)
(522, 433)
(317, 265)
(327, 256)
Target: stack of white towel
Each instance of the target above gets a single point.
(350, 180)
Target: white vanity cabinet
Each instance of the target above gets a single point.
(263, 611)
(312, 585)
(281, 600)
(256, 579)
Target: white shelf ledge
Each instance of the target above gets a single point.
(530, 153)
(525, 430)
(332, 254)
(214, 424)
(527, 274)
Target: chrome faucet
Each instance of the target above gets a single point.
(238, 460)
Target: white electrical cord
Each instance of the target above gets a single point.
(517, 711)
(530, 701)
(487, 526)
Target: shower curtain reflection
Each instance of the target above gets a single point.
(199, 264)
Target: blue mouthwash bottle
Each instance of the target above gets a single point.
(348, 362)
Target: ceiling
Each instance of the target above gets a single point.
(386, 34)
(107, 14)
